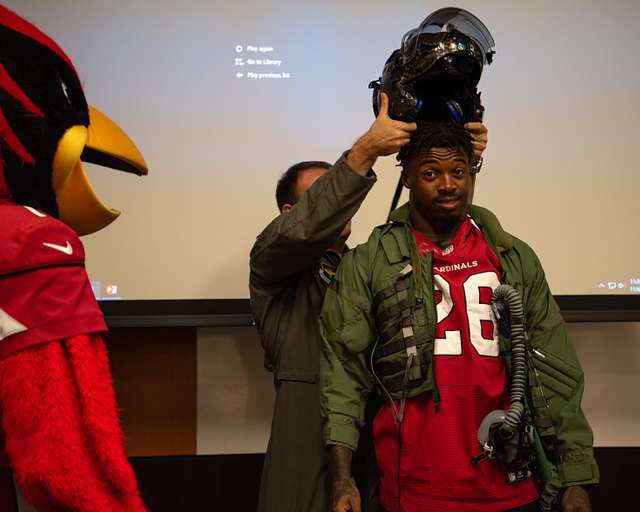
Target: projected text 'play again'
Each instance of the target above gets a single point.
(254, 62)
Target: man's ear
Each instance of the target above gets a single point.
(286, 207)
(406, 179)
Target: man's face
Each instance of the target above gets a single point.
(307, 178)
(440, 188)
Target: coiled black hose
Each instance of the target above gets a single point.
(506, 296)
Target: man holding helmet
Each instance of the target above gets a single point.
(409, 315)
(292, 264)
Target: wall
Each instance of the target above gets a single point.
(610, 355)
(196, 408)
(185, 391)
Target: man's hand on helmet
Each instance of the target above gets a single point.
(385, 137)
(479, 137)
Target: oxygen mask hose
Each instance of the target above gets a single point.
(502, 434)
(506, 297)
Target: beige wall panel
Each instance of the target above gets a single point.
(235, 392)
(610, 356)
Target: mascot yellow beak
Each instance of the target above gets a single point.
(103, 143)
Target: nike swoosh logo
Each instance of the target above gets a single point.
(35, 212)
(67, 249)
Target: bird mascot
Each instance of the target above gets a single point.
(60, 431)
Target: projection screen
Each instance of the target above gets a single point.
(222, 97)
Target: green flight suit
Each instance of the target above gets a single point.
(290, 272)
(372, 302)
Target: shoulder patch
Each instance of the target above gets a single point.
(327, 273)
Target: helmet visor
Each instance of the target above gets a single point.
(448, 19)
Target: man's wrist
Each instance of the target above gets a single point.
(476, 164)
(339, 458)
(341, 480)
(361, 157)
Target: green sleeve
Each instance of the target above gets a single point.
(347, 329)
(296, 240)
(562, 378)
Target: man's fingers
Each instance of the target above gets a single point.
(406, 127)
(476, 126)
(401, 128)
(402, 142)
(401, 132)
(384, 105)
(479, 137)
(395, 145)
(347, 504)
(387, 136)
(575, 499)
(342, 505)
(383, 113)
(479, 140)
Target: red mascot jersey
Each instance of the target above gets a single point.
(436, 473)
(45, 294)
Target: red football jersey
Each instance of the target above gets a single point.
(45, 293)
(437, 445)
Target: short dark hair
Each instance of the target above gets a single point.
(286, 188)
(435, 135)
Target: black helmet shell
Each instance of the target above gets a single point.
(435, 73)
